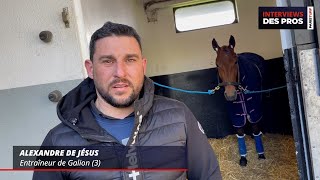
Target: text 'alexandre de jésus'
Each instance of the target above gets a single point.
(50, 152)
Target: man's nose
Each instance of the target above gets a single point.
(121, 69)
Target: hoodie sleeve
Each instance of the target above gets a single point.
(202, 162)
(47, 175)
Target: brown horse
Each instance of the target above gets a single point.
(227, 65)
(237, 73)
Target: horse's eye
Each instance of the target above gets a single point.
(236, 62)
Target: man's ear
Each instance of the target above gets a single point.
(89, 67)
(144, 64)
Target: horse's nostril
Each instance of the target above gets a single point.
(226, 96)
(235, 96)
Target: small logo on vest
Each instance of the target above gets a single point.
(200, 127)
(133, 161)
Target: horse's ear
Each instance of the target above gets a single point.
(215, 45)
(232, 42)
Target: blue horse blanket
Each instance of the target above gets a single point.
(247, 106)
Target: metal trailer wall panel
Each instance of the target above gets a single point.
(309, 81)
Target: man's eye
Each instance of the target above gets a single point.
(107, 61)
(131, 60)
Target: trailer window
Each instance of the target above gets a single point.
(205, 15)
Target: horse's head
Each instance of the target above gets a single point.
(227, 67)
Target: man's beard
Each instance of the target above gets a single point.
(113, 101)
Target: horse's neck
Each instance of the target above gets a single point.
(245, 68)
(249, 73)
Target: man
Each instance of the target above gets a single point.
(116, 106)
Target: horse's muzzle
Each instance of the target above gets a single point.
(232, 97)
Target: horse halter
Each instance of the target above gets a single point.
(229, 83)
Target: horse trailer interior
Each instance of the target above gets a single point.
(33, 69)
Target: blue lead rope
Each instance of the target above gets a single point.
(246, 91)
(209, 92)
(212, 91)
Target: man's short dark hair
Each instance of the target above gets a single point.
(112, 29)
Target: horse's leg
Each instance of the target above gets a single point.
(258, 141)
(242, 146)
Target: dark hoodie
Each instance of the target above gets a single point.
(159, 121)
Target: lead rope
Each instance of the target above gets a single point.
(212, 91)
(246, 91)
(209, 92)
